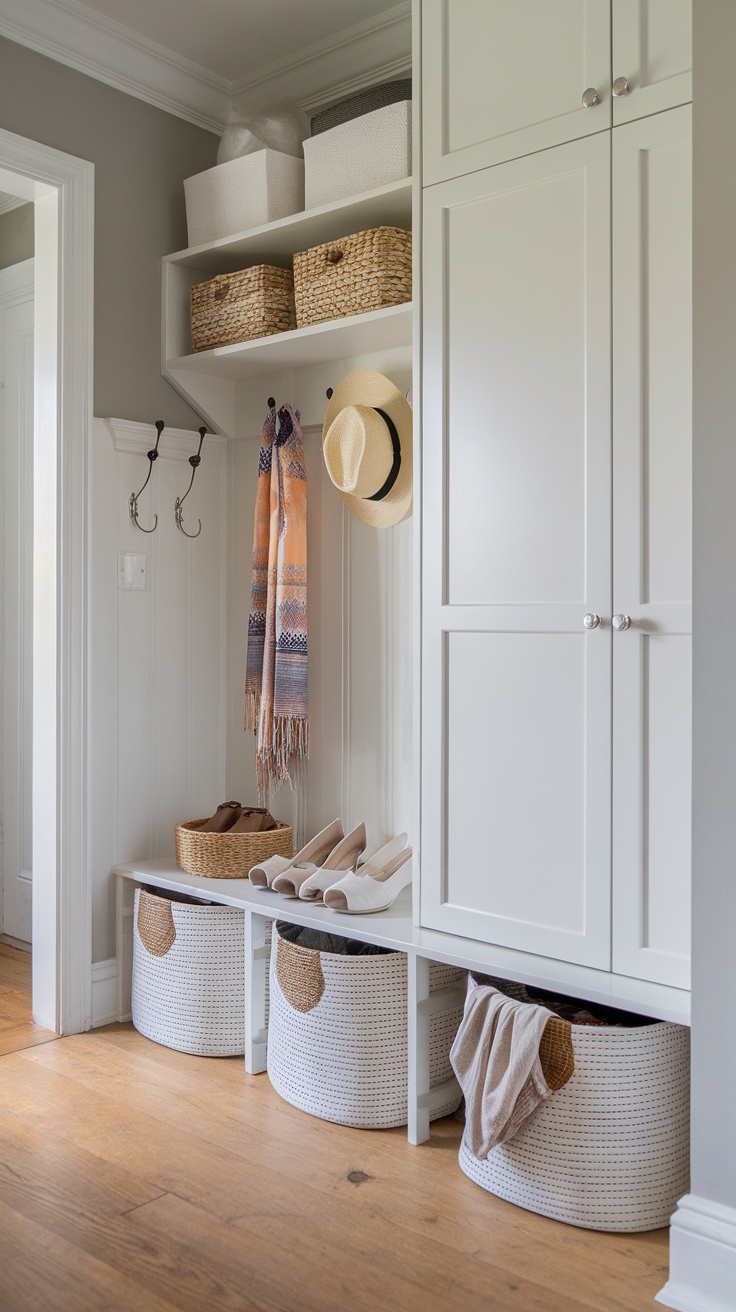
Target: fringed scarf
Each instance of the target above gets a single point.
(276, 670)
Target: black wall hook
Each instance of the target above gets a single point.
(133, 499)
(271, 403)
(195, 462)
(328, 393)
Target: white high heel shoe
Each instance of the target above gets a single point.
(314, 888)
(316, 851)
(374, 889)
(343, 857)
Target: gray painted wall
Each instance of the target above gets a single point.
(141, 157)
(714, 620)
(16, 236)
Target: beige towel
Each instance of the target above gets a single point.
(496, 1059)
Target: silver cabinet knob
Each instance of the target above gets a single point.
(591, 621)
(621, 622)
(590, 98)
(621, 87)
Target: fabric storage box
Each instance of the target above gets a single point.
(337, 1035)
(610, 1150)
(189, 975)
(237, 307)
(366, 271)
(227, 855)
(364, 102)
(366, 152)
(243, 193)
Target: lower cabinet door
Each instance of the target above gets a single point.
(516, 469)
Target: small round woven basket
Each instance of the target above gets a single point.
(227, 856)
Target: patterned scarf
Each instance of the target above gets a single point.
(276, 669)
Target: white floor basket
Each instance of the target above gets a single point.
(610, 1150)
(337, 1036)
(189, 975)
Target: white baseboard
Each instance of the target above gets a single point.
(702, 1257)
(104, 983)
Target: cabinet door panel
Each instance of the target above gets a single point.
(652, 546)
(516, 515)
(652, 48)
(501, 80)
(519, 708)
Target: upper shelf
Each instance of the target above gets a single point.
(338, 339)
(276, 242)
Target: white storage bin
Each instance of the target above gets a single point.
(367, 152)
(337, 1034)
(243, 193)
(610, 1150)
(189, 975)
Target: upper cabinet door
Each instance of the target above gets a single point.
(652, 55)
(504, 79)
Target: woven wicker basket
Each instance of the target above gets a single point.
(227, 856)
(366, 271)
(237, 307)
(337, 1035)
(610, 1150)
(189, 976)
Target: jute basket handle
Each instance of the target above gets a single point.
(155, 924)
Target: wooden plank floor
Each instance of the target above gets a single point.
(17, 1029)
(135, 1177)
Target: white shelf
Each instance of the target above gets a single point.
(275, 243)
(213, 381)
(395, 928)
(338, 339)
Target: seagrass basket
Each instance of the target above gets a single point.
(189, 975)
(237, 307)
(227, 856)
(366, 271)
(337, 1034)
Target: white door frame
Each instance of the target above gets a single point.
(16, 293)
(62, 188)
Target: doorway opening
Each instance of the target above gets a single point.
(45, 424)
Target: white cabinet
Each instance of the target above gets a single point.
(516, 507)
(652, 480)
(555, 756)
(652, 50)
(504, 79)
(501, 80)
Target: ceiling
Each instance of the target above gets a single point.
(199, 58)
(235, 38)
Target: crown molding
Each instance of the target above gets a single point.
(8, 203)
(79, 37)
(388, 72)
(176, 443)
(75, 35)
(348, 61)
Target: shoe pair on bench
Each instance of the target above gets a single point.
(332, 866)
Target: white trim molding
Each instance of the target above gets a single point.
(104, 992)
(702, 1257)
(78, 36)
(346, 62)
(176, 443)
(62, 188)
(74, 34)
(8, 203)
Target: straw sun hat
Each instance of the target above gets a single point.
(366, 441)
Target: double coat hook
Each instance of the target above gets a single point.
(195, 462)
(133, 499)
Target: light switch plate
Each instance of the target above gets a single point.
(132, 570)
